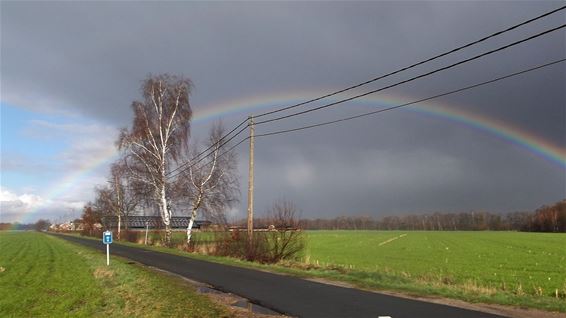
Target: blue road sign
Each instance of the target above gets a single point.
(107, 237)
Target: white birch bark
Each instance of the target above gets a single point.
(200, 188)
(190, 226)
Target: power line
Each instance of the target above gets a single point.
(413, 65)
(375, 79)
(413, 78)
(204, 165)
(189, 164)
(411, 103)
(211, 146)
(377, 111)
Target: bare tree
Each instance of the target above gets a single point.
(42, 225)
(210, 184)
(102, 200)
(286, 240)
(118, 199)
(90, 218)
(158, 135)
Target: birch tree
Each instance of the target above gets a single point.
(211, 183)
(158, 137)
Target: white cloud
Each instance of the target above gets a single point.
(29, 207)
(88, 152)
(73, 171)
(87, 158)
(47, 129)
(25, 199)
(88, 144)
(35, 102)
(15, 162)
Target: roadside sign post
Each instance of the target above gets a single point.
(107, 239)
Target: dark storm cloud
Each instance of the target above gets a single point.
(90, 58)
(404, 163)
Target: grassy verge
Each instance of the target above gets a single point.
(43, 276)
(432, 284)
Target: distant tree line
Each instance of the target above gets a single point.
(545, 219)
(40, 225)
(16, 226)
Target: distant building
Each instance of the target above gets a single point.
(139, 222)
(67, 226)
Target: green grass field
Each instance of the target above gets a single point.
(535, 261)
(496, 264)
(43, 276)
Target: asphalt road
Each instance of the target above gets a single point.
(288, 295)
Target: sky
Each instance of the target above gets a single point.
(70, 71)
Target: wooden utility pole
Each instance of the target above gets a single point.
(251, 182)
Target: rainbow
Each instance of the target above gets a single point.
(63, 185)
(504, 131)
(536, 145)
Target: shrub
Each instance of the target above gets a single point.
(282, 240)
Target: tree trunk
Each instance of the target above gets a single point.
(168, 234)
(190, 226)
(119, 226)
(166, 217)
(193, 216)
